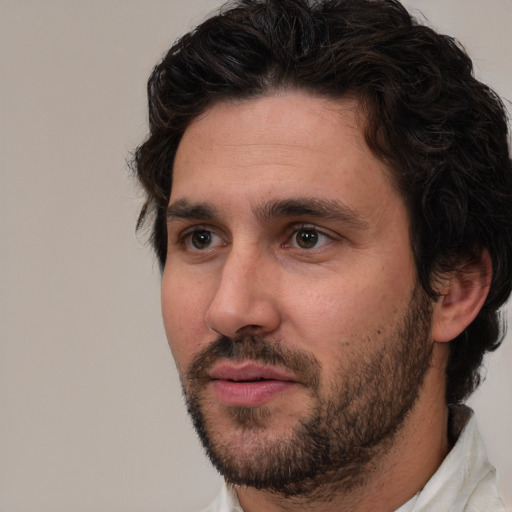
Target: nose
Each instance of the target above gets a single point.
(246, 296)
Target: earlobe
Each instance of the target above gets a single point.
(463, 293)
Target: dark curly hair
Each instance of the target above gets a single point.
(442, 132)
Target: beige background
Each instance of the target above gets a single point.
(91, 414)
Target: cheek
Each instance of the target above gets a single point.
(348, 314)
(183, 312)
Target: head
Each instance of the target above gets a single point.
(362, 88)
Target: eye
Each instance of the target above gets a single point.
(308, 238)
(201, 239)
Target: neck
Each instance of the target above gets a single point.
(395, 475)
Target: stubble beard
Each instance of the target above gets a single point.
(339, 440)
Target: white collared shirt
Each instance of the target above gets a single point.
(465, 481)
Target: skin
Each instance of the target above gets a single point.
(339, 300)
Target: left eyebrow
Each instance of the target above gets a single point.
(312, 207)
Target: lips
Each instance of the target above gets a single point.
(248, 371)
(249, 384)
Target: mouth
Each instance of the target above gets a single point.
(248, 384)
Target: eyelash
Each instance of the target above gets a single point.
(320, 234)
(185, 239)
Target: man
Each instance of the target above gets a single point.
(330, 191)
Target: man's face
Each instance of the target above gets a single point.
(289, 293)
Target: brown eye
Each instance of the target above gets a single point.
(306, 238)
(201, 239)
(309, 237)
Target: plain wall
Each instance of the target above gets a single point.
(91, 413)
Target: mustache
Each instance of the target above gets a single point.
(258, 349)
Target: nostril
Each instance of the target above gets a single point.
(249, 329)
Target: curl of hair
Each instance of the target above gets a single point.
(442, 133)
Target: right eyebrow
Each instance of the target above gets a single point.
(312, 207)
(183, 209)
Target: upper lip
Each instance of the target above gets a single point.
(248, 371)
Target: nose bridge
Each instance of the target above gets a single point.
(243, 298)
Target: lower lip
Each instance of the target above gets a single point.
(249, 394)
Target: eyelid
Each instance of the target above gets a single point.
(296, 227)
(184, 237)
(192, 228)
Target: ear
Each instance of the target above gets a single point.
(463, 293)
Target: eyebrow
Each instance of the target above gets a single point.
(275, 209)
(183, 209)
(312, 207)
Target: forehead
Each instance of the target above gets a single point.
(287, 144)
